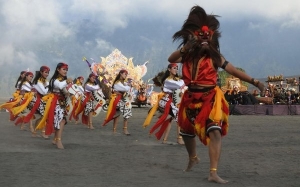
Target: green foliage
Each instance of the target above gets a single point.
(222, 76)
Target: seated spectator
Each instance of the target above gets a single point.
(256, 93)
(236, 97)
(290, 97)
(227, 95)
(267, 93)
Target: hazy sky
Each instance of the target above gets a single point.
(25, 24)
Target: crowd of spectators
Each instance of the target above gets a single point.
(276, 94)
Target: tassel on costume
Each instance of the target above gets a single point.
(50, 123)
(42, 123)
(17, 110)
(11, 116)
(84, 119)
(72, 114)
(80, 107)
(111, 111)
(19, 120)
(36, 105)
(152, 111)
(162, 119)
(163, 128)
(218, 113)
(9, 105)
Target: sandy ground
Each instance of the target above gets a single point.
(258, 151)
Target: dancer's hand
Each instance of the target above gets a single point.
(262, 88)
(69, 80)
(190, 44)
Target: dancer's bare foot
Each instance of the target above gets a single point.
(214, 177)
(164, 141)
(22, 127)
(34, 134)
(31, 128)
(59, 144)
(44, 135)
(192, 161)
(91, 127)
(180, 141)
(125, 131)
(54, 141)
(114, 130)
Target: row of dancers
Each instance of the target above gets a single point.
(48, 105)
(203, 110)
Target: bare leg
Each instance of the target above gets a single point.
(214, 155)
(33, 132)
(90, 123)
(179, 138)
(43, 130)
(190, 145)
(44, 135)
(58, 135)
(31, 126)
(125, 131)
(22, 127)
(54, 139)
(115, 124)
(166, 134)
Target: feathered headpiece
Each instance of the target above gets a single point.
(157, 80)
(199, 21)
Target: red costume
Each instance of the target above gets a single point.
(202, 110)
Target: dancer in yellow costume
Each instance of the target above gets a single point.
(26, 91)
(76, 102)
(41, 86)
(56, 101)
(120, 103)
(169, 81)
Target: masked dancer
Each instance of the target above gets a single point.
(203, 110)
